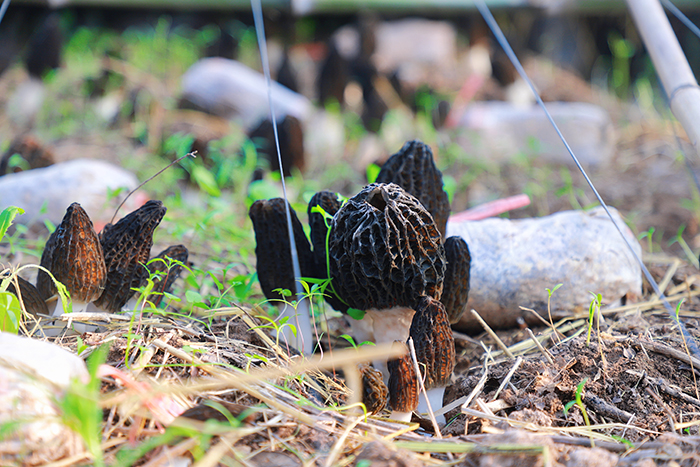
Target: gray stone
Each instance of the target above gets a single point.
(501, 130)
(229, 89)
(515, 261)
(44, 194)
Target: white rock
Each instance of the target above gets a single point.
(85, 181)
(502, 130)
(33, 374)
(515, 261)
(229, 89)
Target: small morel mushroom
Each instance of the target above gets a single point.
(33, 302)
(403, 387)
(274, 257)
(127, 247)
(291, 141)
(435, 348)
(35, 155)
(413, 168)
(74, 256)
(175, 255)
(374, 391)
(455, 291)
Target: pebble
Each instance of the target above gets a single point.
(33, 373)
(231, 90)
(45, 193)
(515, 261)
(502, 129)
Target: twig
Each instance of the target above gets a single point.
(539, 346)
(609, 410)
(436, 427)
(493, 335)
(330, 460)
(669, 389)
(508, 377)
(663, 349)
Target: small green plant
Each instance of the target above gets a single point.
(10, 310)
(579, 402)
(593, 314)
(649, 235)
(549, 305)
(352, 342)
(692, 258)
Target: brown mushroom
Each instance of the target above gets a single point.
(73, 255)
(374, 391)
(403, 387)
(455, 290)
(291, 141)
(127, 247)
(413, 168)
(166, 266)
(29, 295)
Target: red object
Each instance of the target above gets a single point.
(492, 208)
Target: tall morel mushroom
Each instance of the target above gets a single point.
(166, 266)
(413, 169)
(74, 256)
(274, 259)
(127, 247)
(455, 292)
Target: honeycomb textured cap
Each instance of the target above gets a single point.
(413, 168)
(455, 289)
(434, 342)
(33, 302)
(374, 392)
(164, 276)
(403, 383)
(127, 247)
(385, 250)
(329, 202)
(272, 247)
(74, 256)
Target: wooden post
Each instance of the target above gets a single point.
(671, 65)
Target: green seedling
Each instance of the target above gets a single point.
(649, 235)
(352, 342)
(692, 258)
(579, 402)
(549, 305)
(593, 314)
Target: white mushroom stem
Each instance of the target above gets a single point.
(435, 396)
(401, 416)
(78, 307)
(303, 340)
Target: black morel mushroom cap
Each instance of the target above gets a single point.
(74, 256)
(158, 265)
(33, 302)
(434, 342)
(272, 247)
(385, 250)
(413, 168)
(127, 247)
(403, 383)
(455, 289)
(374, 392)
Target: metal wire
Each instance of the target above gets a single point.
(305, 323)
(3, 9)
(678, 14)
(493, 25)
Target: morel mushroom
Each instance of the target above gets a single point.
(174, 256)
(455, 291)
(387, 258)
(413, 168)
(33, 303)
(374, 391)
(73, 255)
(127, 247)
(274, 256)
(403, 387)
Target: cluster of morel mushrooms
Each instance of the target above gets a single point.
(102, 269)
(386, 255)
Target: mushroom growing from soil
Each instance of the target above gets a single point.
(33, 302)
(127, 247)
(387, 258)
(274, 259)
(74, 256)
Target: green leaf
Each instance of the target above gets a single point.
(10, 312)
(355, 313)
(372, 172)
(205, 180)
(6, 218)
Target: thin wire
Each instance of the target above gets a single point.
(305, 324)
(490, 20)
(678, 14)
(3, 9)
